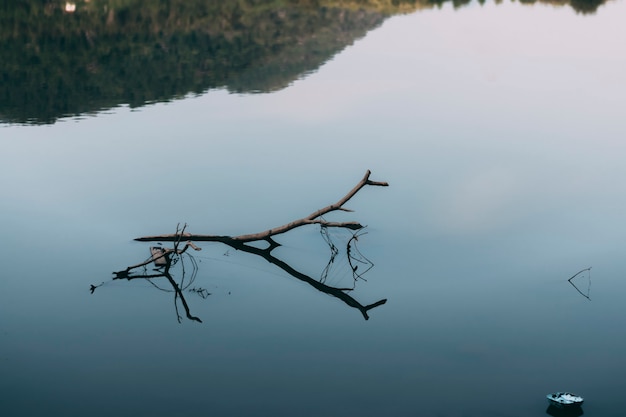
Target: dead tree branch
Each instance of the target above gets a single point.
(313, 218)
(241, 242)
(164, 254)
(589, 285)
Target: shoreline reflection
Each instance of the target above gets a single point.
(67, 59)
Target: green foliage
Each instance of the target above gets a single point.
(106, 53)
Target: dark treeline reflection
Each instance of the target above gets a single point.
(66, 58)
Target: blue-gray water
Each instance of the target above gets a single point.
(500, 129)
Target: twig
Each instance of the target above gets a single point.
(578, 273)
(313, 218)
(574, 285)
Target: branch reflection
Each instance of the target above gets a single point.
(165, 259)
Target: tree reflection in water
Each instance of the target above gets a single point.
(65, 59)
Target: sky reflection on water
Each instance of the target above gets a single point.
(502, 140)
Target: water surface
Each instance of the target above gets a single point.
(499, 130)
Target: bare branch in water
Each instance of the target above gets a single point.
(93, 287)
(589, 286)
(165, 258)
(313, 218)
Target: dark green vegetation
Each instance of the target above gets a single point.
(105, 53)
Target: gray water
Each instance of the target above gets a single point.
(500, 130)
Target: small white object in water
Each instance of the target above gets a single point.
(565, 399)
(70, 7)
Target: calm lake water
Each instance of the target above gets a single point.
(499, 128)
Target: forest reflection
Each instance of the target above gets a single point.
(68, 58)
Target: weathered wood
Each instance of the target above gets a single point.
(159, 256)
(162, 255)
(313, 218)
